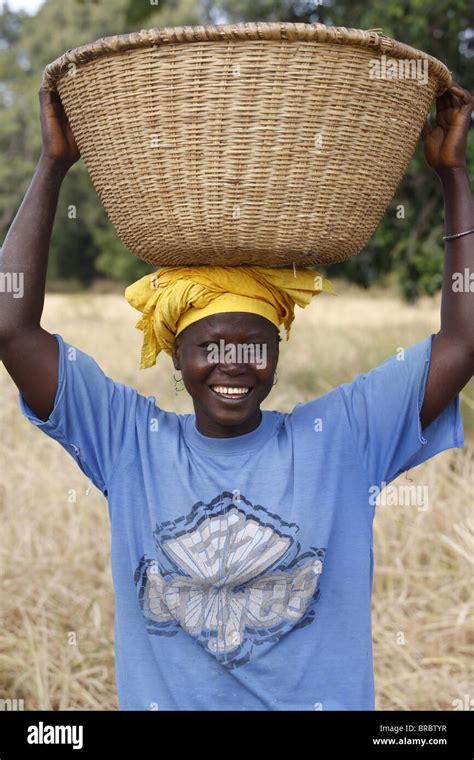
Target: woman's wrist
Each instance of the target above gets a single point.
(53, 166)
(453, 175)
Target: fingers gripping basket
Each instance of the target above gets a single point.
(254, 143)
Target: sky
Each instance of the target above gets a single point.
(30, 6)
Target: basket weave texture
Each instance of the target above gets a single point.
(261, 144)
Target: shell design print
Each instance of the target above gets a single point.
(230, 574)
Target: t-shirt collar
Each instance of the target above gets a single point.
(235, 444)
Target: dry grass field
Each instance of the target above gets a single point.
(57, 602)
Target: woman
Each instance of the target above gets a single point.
(242, 550)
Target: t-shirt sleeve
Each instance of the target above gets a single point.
(383, 409)
(90, 416)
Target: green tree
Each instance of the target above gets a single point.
(410, 249)
(83, 238)
(85, 245)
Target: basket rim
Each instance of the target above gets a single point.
(241, 32)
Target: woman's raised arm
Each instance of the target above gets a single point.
(452, 358)
(30, 353)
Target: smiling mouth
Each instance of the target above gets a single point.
(231, 392)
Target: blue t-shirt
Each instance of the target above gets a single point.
(243, 566)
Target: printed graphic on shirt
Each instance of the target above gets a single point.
(232, 575)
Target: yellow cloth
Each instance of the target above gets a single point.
(174, 297)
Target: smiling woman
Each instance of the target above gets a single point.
(242, 542)
(185, 310)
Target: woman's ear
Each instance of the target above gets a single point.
(174, 353)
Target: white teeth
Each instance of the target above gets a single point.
(228, 391)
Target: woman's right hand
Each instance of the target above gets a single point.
(59, 144)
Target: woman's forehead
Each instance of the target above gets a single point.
(245, 324)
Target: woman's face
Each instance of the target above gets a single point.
(231, 350)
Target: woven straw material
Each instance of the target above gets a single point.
(258, 144)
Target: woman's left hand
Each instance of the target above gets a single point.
(445, 144)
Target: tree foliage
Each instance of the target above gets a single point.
(408, 250)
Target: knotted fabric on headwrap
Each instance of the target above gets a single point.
(174, 297)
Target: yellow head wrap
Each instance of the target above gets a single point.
(174, 297)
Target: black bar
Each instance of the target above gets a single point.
(373, 734)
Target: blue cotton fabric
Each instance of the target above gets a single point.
(242, 567)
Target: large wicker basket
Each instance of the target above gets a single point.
(253, 143)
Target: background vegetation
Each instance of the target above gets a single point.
(406, 251)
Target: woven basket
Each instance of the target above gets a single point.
(265, 144)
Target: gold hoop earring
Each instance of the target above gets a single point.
(176, 381)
